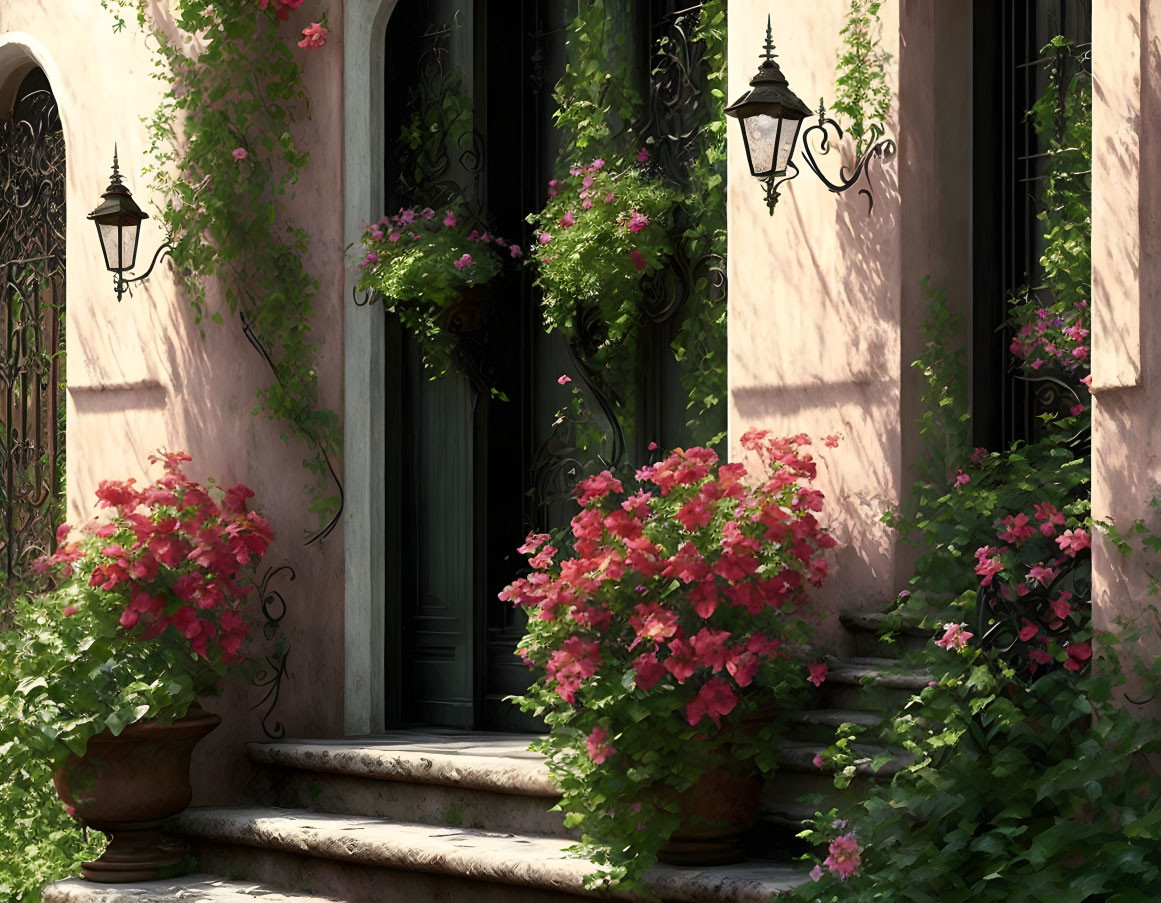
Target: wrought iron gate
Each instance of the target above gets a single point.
(32, 336)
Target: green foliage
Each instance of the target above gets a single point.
(1017, 792)
(862, 96)
(239, 85)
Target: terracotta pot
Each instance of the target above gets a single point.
(716, 812)
(127, 787)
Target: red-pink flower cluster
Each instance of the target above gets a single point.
(687, 581)
(282, 8)
(1050, 338)
(173, 554)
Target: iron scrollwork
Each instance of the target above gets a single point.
(271, 675)
(32, 326)
(880, 148)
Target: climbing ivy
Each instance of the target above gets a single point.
(862, 97)
(226, 162)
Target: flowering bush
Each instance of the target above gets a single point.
(148, 617)
(422, 263)
(600, 231)
(677, 613)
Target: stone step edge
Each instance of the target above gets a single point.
(496, 774)
(201, 888)
(529, 861)
(856, 673)
(872, 622)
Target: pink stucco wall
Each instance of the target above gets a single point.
(1126, 346)
(139, 375)
(825, 300)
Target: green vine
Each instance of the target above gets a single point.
(226, 174)
(862, 96)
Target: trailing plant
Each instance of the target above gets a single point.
(862, 96)
(675, 613)
(225, 161)
(422, 264)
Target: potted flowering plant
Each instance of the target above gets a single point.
(665, 637)
(108, 666)
(426, 267)
(602, 229)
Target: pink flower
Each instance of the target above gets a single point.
(1073, 541)
(588, 182)
(830, 441)
(377, 234)
(978, 455)
(1078, 654)
(598, 748)
(844, 856)
(239, 153)
(1051, 518)
(598, 163)
(545, 238)
(313, 36)
(954, 637)
(1041, 574)
(553, 187)
(637, 221)
(1060, 606)
(69, 611)
(643, 155)
(638, 259)
(371, 258)
(465, 261)
(715, 699)
(563, 379)
(609, 197)
(816, 872)
(450, 220)
(817, 673)
(1018, 529)
(962, 479)
(652, 446)
(393, 237)
(817, 761)
(567, 221)
(1087, 380)
(427, 213)
(516, 251)
(1076, 410)
(587, 204)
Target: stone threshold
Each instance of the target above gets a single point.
(525, 860)
(190, 889)
(480, 761)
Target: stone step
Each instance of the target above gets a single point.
(871, 684)
(822, 724)
(873, 636)
(367, 860)
(798, 775)
(449, 779)
(192, 888)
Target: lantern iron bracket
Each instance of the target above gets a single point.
(121, 284)
(880, 147)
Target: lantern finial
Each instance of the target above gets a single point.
(769, 54)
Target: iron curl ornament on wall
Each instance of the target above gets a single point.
(771, 116)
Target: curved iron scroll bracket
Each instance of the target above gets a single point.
(271, 676)
(880, 148)
(121, 284)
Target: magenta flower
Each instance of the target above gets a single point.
(369, 259)
(817, 673)
(564, 378)
(516, 251)
(598, 163)
(545, 238)
(588, 182)
(568, 220)
(314, 36)
(465, 261)
(1041, 574)
(643, 156)
(652, 446)
(638, 259)
(587, 203)
(406, 217)
(962, 479)
(377, 234)
(1073, 541)
(637, 221)
(553, 187)
(954, 637)
(450, 220)
(598, 746)
(609, 197)
(844, 856)
(393, 237)
(817, 761)
(239, 153)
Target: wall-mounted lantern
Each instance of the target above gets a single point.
(771, 115)
(118, 220)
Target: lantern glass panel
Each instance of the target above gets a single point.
(762, 142)
(119, 242)
(786, 143)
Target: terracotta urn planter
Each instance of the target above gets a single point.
(716, 812)
(127, 787)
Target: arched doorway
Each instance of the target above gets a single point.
(32, 323)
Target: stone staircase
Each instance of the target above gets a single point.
(454, 816)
